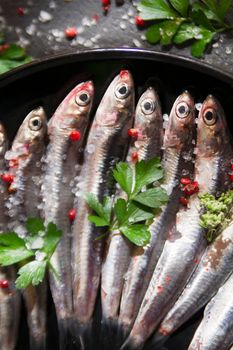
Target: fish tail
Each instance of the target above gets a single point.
(110, 337)
(66, 341)
(82, 335)
(129, 344)
(37, 344)
(123, 331)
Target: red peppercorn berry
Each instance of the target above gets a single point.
(134, 156)
(231, 177)
(133, 133)
(231, 166)
(7, 178)
(191, 188)
(20, 11)
(71, 32)
(185, 181)
(105, 2)
(183, 201)
(4, 284)
(139, 21)
(75, 135)
(72, 214)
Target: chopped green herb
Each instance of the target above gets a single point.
(130, 215)
(217, 213)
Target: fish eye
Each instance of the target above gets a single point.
(210, 117)
(182, 110)
(147, 106)
(35, 123)
(83, 98)
(122, 91)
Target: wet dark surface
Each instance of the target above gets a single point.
(43, 36)
(47, 83)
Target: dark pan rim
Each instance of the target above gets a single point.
(113, 54)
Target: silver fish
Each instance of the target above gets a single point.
(107, 142)
(178, 141)
(213, 269)
(215, 331)
(24, 160)
(66, 130)
(186, 242)
(9, 297)
(148, 123)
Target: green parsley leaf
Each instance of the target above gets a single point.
(163, 31)
(120, 209)
(223, 8)
(198, 48)
(187, 32)
(98, 221)
(200, 18)
(137, 213)
(147, 173)
(35, 225)
(31, 273)
(107, 204)
(97, 207)
(123, 174)
(6, 65)
(138, 234)
(51, 239)
(12, 249)
(154, 197)
(155, 9)
(209, 14)
(13, 52)
(181, 6)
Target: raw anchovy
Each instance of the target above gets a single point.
(148, 123)
(107, 142)
(24, 159)
(215, 331)
(66, 131)
(186, 241)
(178, 147)
(9, 297)
(213, 269)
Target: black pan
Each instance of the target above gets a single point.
(46, 83)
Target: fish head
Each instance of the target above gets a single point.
(180, 129)
(31, 134)
(212, 130)
(3, 141)
(74, 109)
(148, 110)
(117, 103)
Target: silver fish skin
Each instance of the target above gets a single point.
(61, 167)
(213, 269)
(109, 137)
(9, 297)
(215, 331)
(24, 159)
(178, 145)
(186, 241)
(149, 125)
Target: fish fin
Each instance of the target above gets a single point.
(37, 344)
(82, 335)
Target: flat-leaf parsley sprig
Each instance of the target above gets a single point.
(181, 21)
(131, 215)
(33, 252)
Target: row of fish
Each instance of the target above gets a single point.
(145, 292)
